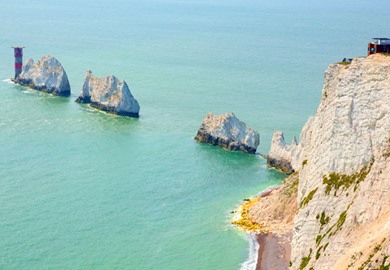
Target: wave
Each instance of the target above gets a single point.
(8, 81)
(251, 262)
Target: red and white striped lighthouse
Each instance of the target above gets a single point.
(18, 53)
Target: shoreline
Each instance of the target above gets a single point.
(240, 217)
(251, 262)
(274, 251)
(268, 220)
(259, 257)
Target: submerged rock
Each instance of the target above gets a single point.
(228, 132)
(47, 75)
(109, 94)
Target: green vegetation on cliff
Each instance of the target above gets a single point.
(335, 181)
(308, 198)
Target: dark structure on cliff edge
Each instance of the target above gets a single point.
(380, 45)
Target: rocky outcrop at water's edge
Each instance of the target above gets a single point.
(47, 75)
(280, 153)
(227, 131)
(109, 94)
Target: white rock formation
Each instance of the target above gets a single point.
(109, 94)
(346, 176)
(228, 132)
(343, 164)
(47, 75)
(280, 154)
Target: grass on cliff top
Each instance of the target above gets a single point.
(344, 63)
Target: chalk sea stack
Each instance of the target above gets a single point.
(280, 154)
(227, 131)
(109, 94)
(47, 75)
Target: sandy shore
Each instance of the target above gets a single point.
(270, 215)
(274, 251)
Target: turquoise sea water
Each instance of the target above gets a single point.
(81, 189)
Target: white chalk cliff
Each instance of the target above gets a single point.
(109, 94)
(47, 75)
(342, 219)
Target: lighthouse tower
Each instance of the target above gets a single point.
(18, 53)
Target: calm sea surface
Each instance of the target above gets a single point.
(81, 189)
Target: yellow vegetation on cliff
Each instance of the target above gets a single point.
(272, 211)
(242, 218)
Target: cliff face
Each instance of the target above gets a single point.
(344, 171)
(343, 163)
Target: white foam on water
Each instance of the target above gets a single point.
(28, 92)
(8, 81)
(250, 263)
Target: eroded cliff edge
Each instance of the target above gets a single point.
(342, 216)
